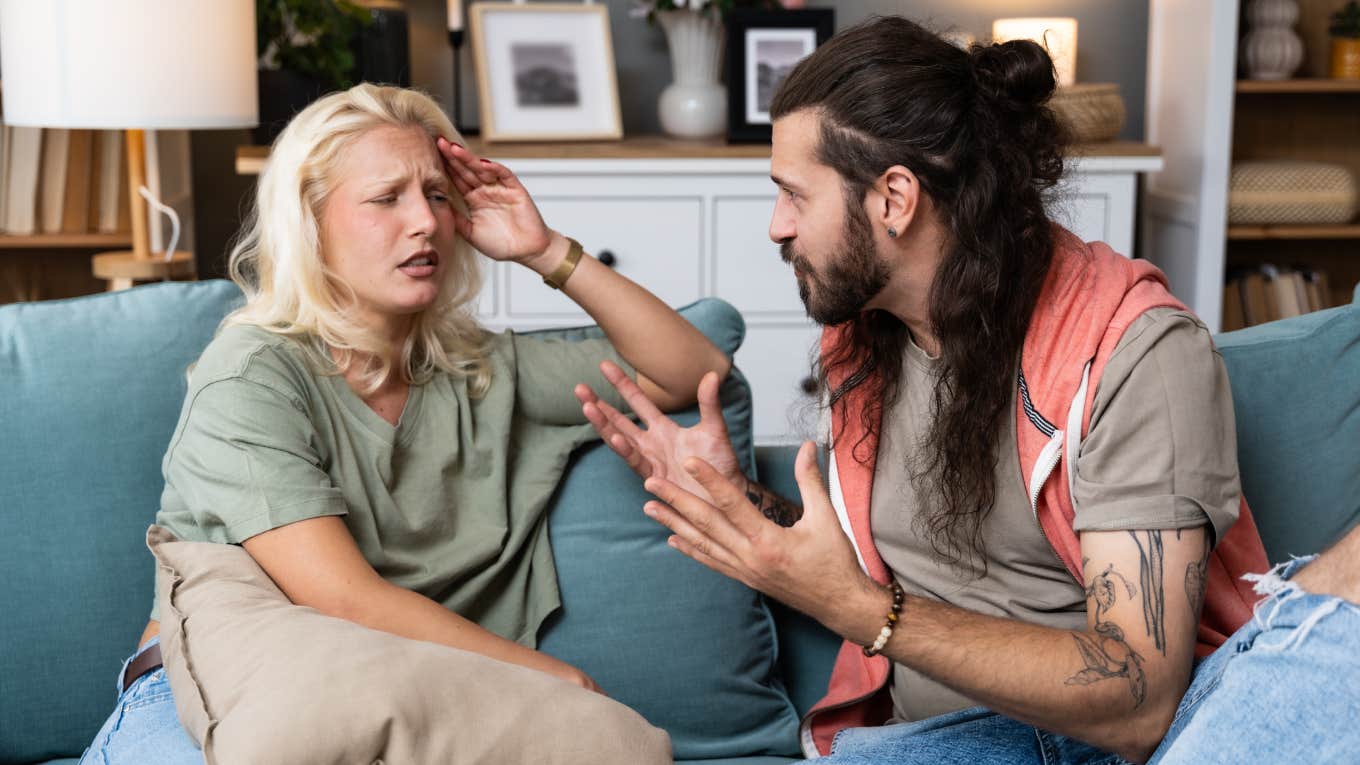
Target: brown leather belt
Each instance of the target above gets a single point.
(141, 664)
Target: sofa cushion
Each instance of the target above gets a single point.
(89, 392)
(258, 679)
(1297, 400)
(693, 651)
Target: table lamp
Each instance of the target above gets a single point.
(133, 65)
(1057, 35)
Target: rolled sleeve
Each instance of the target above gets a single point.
(245, 461)
(1161, 452)
(548, 370)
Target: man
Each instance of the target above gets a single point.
(1030, 608)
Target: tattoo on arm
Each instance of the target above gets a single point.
(1107, 654)
(1150, 575)
(771, 505)
(1196, 578)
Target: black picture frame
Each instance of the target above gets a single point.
(781, 32)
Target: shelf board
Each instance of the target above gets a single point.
(1350, 231)
(121, 239)
(250, 160)
(1313, 85)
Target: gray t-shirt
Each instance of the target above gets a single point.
(1164, 392)
(449, 503)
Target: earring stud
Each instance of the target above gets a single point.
(892, 232)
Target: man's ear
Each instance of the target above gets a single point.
(895, 201)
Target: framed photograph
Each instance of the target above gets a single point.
(545, 72)
(762, 48)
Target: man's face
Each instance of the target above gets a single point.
(822, 234)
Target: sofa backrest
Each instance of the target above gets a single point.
(90, 389)
(1296, 391)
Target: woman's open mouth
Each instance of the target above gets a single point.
(420, 265)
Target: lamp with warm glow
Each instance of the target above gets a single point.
(1057, 35)
(134, 65)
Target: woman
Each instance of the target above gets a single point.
(352, 424)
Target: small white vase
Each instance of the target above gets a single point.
(1271, 50)
(695, 104)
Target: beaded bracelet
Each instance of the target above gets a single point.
(886, 632)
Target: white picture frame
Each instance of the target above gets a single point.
(545, 72)
(778, 50)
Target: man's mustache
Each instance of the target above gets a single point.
(787, 254)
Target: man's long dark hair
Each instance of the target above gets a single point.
(974, 129)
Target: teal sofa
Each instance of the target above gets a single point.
(90, 390)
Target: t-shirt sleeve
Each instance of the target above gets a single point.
(245, 460)
(548, 370)
(1161, 451)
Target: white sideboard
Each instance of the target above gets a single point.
(688, 224)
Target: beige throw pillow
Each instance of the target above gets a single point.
(257, 679)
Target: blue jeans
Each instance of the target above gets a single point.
(974, 735)
(143, 729)
(1286, 685)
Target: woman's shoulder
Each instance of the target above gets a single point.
(252, 353)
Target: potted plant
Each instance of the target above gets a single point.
(305, 49)
(1345, 29)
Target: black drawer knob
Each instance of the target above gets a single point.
(607, 258)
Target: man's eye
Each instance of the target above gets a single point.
(387, 200)
(791, 195)
(438, 196)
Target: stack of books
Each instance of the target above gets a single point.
(58, 181)
(1267, 292)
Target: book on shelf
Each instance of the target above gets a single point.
(1266, 293)
(56, 147)
(21, 192)
(75, 212)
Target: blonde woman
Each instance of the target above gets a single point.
(373, 416)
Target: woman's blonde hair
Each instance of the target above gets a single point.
(278, 262)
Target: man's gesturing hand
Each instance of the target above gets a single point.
(811, 565)
(663, 447)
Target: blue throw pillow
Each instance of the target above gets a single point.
(90, 389)
(691, 650)
(1297, 401)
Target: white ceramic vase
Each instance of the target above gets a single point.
(1271, 50)
(695, 104)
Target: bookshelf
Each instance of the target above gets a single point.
(66, 241)
(1206, 117)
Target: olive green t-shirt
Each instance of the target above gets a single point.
(450, 503)
(1160, 453)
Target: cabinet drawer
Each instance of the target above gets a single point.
(656, 242)
(777, 361)
(747, 270)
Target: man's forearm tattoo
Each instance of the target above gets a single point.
(1150, 575)
(1107, 654)
(1196, 578)
(771, 505)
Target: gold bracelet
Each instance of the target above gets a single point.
(882, 640)
(568, 265)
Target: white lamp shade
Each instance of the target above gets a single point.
(118, 64)
(1057, 35)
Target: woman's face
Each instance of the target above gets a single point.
(387, 227)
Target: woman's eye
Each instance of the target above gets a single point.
(387, 200)
(438, 196)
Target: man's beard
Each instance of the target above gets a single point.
(852, 279)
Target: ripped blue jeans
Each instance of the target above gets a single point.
(1284, 688)
(143, 728)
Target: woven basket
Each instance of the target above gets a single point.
(1093, 112)
(1285, 192)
